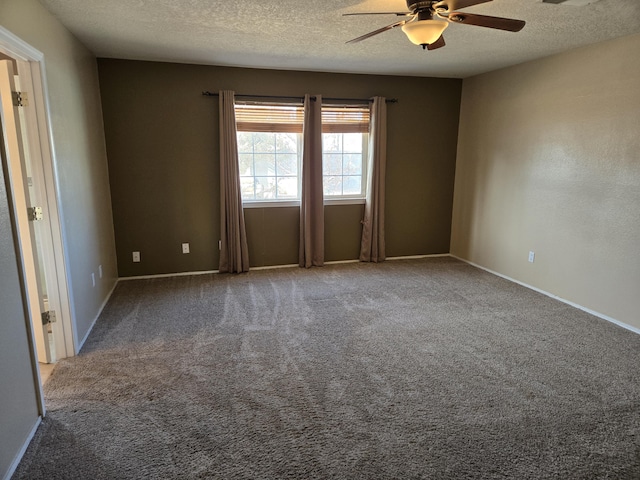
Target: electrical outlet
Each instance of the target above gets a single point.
(185, 248)
(532, 256)
(100, 271)
(136, 257)
(93, 279)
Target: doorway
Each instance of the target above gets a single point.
(28, 152)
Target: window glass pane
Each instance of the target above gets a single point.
(352, 143)
(245, 161)
(245, 142)
(287, 187)
(332, 185)
(286, 143)
(246, 187)
(287, 164)
(265, 188)
(332, 164)
(332, 142)
(352, 164)
(352, 185)
(264, 143)
(265, 164)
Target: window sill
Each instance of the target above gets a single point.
(296, 203)
(344, 201)
(271, 204)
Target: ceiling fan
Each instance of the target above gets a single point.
(427, 19)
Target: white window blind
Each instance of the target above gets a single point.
(288, 118)
(265, 117)
(345, 119)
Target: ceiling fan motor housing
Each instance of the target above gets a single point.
(415, 6)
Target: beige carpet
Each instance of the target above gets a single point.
(426, 369)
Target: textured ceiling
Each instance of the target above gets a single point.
(311, 35)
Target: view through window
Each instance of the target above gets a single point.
(343, 162)
(270, 151)
(269, 165)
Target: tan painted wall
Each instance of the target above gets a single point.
(78, 137)
(162, 143)
(18, 401)
(549, 161)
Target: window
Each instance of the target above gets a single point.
(344, 150)
(270, 151)
(269, 165)
(343, 164)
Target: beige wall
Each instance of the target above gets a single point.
(18, 401)
(162, 143)
(78, 137)
(549, 161)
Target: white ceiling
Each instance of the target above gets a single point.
(311, 34)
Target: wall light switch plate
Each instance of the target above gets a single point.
(532, 257)
(185, 248)
(136, 257)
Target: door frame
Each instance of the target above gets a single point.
(31, 66)
(20, 177)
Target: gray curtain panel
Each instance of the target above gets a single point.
(372, 247)
(312, 201)
(234, 254)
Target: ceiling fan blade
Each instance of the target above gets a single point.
(437, 44)
(450, 5)
(499, 23)
(399, 14)
(376, 32)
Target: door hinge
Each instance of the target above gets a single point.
(48, 317)
(34, 213)
(20, 99)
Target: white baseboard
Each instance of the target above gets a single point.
(21, 452)
(269, 267)
(341, 262)
(273, 267)
(416, 257)
(555, 297)
(168, 275)
(93, 323)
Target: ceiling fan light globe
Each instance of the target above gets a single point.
(424, 32)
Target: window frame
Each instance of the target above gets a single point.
(276, 200)
(259, 123)
(351, 198)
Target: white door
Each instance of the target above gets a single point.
(27, 194)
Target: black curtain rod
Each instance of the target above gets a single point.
(280, 97)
